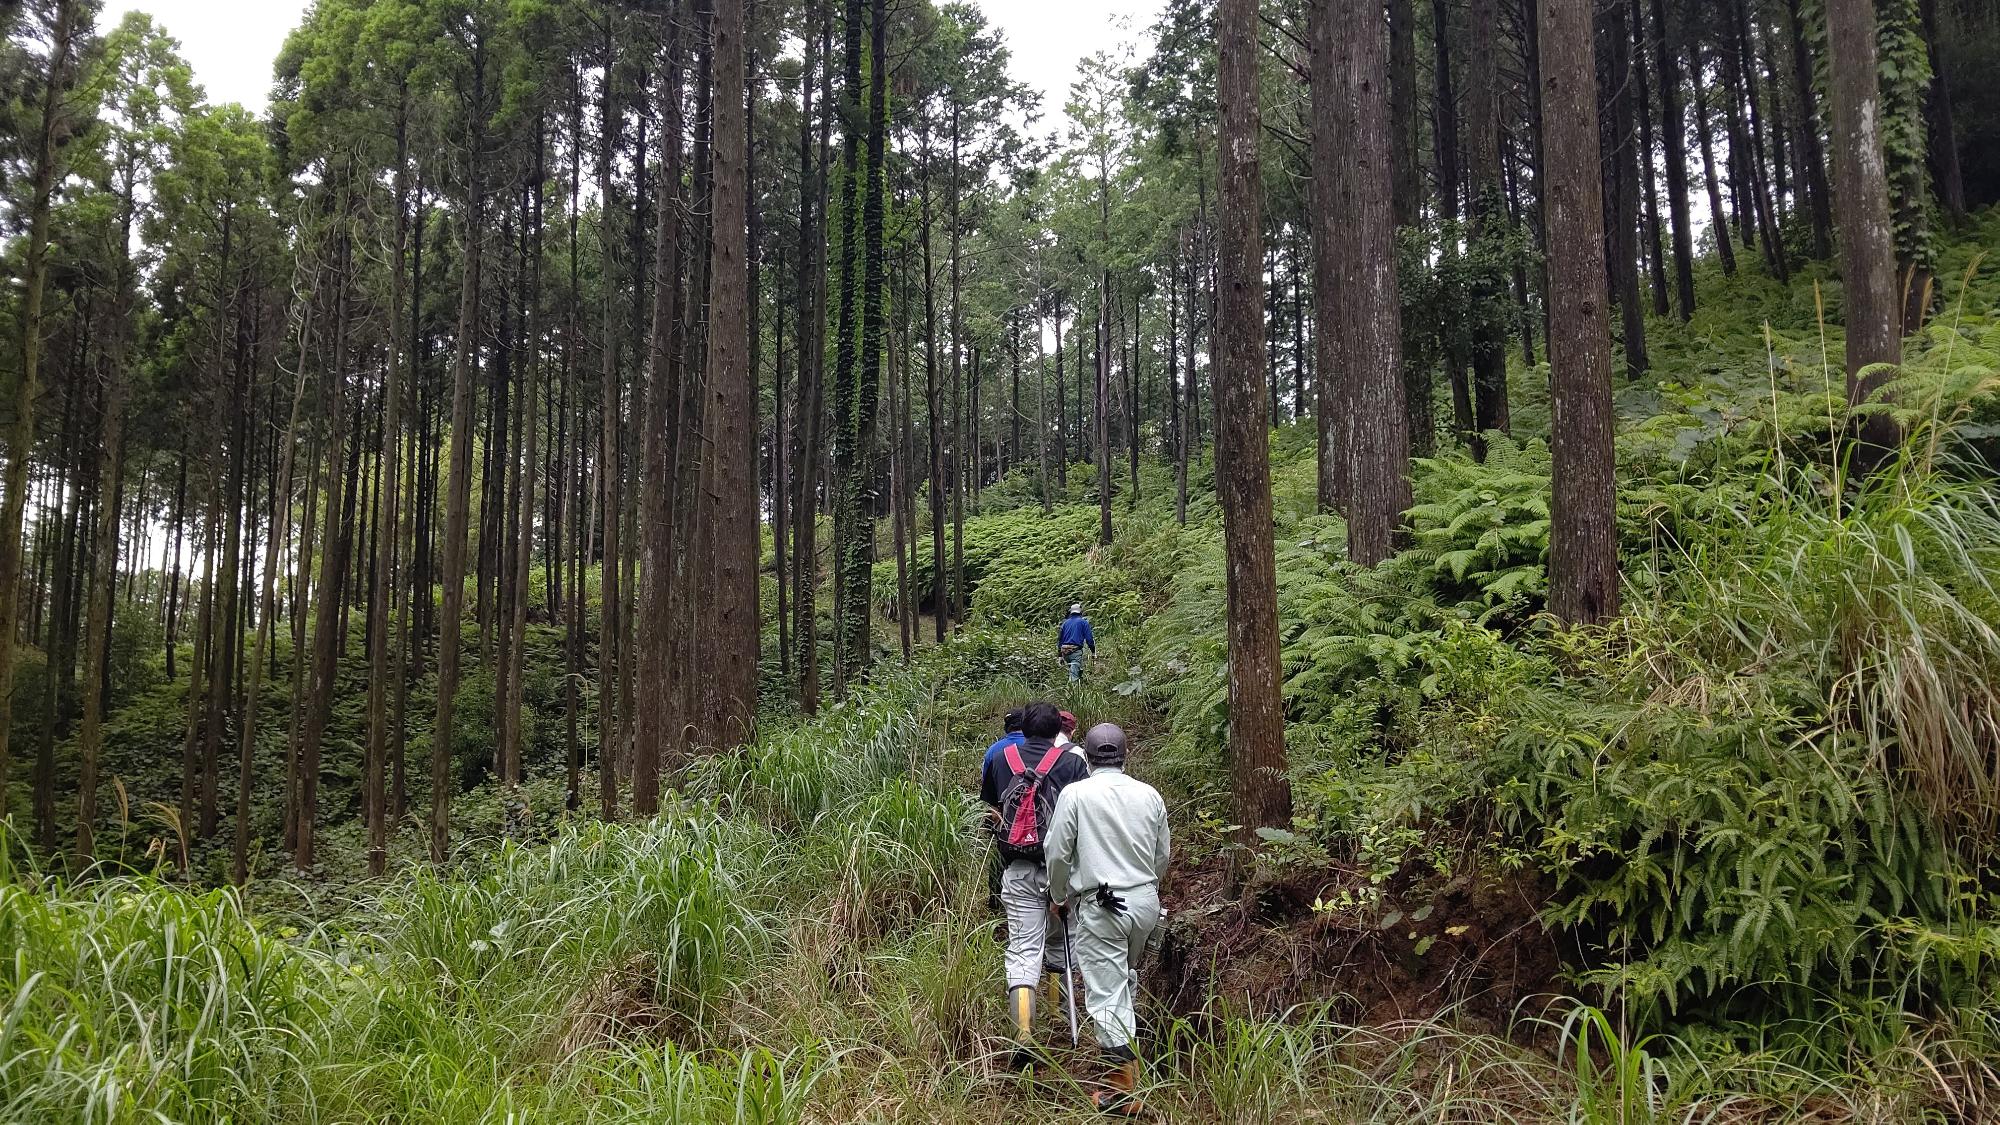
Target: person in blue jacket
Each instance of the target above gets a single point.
(1074, 638)
(1011, 724)
(1015, 738)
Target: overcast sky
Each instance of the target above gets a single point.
(231, 43)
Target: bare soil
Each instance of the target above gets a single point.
(1471, 946)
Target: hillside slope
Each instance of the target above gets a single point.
(1730, 848)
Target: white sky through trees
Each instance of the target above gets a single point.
(231, 43)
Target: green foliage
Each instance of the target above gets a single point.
(127, 999)
(1024, 568)
(1903, 69)
(1764, 793)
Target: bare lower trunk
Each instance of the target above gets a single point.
(458, 487)
(1861, 202)
(1352, 142)
(1259, 778)
(1583, 545)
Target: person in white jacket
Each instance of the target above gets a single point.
(1107, 848)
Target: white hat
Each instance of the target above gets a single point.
(1076, 607)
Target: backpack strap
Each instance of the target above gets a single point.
(1050, 759)
(1013, 755)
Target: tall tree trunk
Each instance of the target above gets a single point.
(902, 515)
(852, 537)
(1718, 223)
(1583, 541)
(458, 485)
(1352, 137)
(191, 767)
(1620, 192)
(732, 405)
(267, 612)
(812, 451)
(328, 624)
(1444, 144)
(66, 28)
(1333, 415)
(1103, 409)
(933, 407)
(812, 349)
(1133, 370)
(104, 558)
(1673, 137)
(380, 623)
(301, 580)
(1185, 401)
(859, 478)
(610, 480)
(1258, 772)
(1861, 201)
(1903, 86)
(1062, 405)
(1487, 207)
(1407, 196)
(522, 546)
(59, 650)
(176, 519)
(957, 584)
(781, 473)
(1649, 181)
(222, 671)
(1813, 157)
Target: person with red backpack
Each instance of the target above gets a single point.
(1020, 785)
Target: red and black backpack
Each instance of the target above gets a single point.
(1026, 805)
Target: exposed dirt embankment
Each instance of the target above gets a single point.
(1471, 945)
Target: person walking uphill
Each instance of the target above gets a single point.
(1021, 785)
(1012, 736)
(1074, 637)
(1107, 848)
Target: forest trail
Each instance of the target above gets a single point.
(510, 549)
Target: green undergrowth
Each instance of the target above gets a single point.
(1762, 806)
(798, 936)
(1763, 802)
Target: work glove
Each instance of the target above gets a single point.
(1109, 900)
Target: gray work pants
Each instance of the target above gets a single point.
(1035, 941)
(1109, 949)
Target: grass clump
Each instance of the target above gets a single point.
(125, 999)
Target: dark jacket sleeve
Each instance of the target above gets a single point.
(1089, 635)
(1071, 767)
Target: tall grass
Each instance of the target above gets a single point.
(750, 956)
(125, 999)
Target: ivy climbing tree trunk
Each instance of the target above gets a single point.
(851, 531)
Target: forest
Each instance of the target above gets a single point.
(510, 556)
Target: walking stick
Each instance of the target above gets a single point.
(1069, 974)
